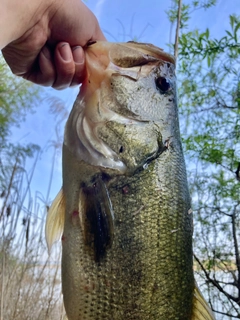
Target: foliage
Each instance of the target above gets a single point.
(199, 44)
(16, 99)
(187, 9)
(209, 95)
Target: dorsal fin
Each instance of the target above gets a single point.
(55, 220)
(201, 309)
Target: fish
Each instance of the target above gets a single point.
(124, 211)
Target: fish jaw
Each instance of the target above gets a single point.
(97, 114)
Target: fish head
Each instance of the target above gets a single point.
(126, 109)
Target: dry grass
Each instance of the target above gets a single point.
(30, 287)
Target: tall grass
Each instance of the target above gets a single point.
(30, 285)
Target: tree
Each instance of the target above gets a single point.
(16, 99)
(209, 95)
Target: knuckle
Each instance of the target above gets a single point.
(67, 71)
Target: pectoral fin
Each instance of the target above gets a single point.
(55, 220)
(98, 220)
(201, 309)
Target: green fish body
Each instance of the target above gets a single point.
(124, 211)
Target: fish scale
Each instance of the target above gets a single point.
(132, 280)
(124, 208)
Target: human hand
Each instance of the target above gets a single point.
(47, 47)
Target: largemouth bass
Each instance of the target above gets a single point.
(124, 211)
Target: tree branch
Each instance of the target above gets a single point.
(216, 284)
(235, 241)
(177, 29)
(225, 314)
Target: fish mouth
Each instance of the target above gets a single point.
(124, 54)
(92, 111)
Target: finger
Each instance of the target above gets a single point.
(65, 66)
(43, 74)
(79, 60)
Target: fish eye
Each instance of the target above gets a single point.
(163, 84)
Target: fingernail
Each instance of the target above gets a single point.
(65, 52)
(78, 55)
(46, 53)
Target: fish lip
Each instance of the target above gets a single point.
(146, 48)
(157, 52)
(90, 43)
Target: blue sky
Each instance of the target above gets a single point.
(121, 20)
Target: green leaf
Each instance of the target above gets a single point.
(229, 33)
(207, 33)
(209, 61)
(232, 20)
